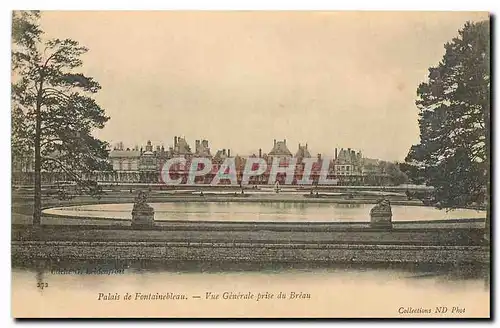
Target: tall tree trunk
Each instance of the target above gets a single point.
(486, 118)
(37, 209)
(488, 185)
(37, 206)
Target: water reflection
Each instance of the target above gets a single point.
(414, 271)
(264, 211)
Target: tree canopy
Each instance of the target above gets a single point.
(54, 113)
(454, 118)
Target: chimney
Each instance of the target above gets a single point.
(175, 141)
(229, 153)
(335, 153)
(275, 142)
(284, 141)
(306, 145)
(224, 151)
(260, 152)
(299, 145)
(197, 145)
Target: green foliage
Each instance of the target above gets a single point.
(414, 173)
(25, 30)
(380, 172)
(397, 176)
(454, 119)
(54, 113)
(44, 78)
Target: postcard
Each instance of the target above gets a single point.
(250, 164)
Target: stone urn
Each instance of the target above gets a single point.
(142, 213)
(381, 215)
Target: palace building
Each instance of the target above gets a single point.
(348, 162)
(144, 164)
(302, 152)
(279, 151)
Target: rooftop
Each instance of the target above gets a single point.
(303, 152)
(124, 153)
(280, 149)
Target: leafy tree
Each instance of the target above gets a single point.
(375, 173)
(53, 113)
(413, 173)
(454, 149)
(397, 176)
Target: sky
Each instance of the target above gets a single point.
(242, 79)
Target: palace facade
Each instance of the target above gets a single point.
(144, 164)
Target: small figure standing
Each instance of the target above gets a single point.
(277, 187)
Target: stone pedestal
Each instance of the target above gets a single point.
(143, 217)
(381, 220)
(381, 215)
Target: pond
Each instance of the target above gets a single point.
(263, 212)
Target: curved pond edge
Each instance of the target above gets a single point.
(219, 200)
